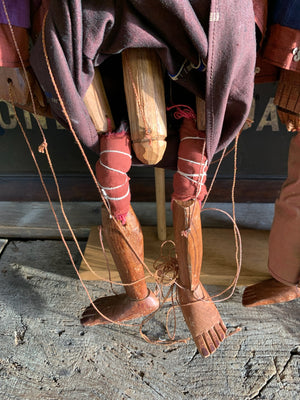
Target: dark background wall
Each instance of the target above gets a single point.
(262, 159)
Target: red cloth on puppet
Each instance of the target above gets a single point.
(111, 172)
(189, 180)
(26, 18)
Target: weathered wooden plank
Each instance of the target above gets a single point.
(219, 265)
(3, 243)
(40, 301)
(35, 219)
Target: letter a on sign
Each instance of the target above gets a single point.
(269, 117)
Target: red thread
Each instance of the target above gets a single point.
(183, 111)
(121, 218)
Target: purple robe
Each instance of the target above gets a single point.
(216, 38)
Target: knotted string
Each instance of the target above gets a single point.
(182, 111)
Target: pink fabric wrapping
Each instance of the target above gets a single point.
(111, 171)
(187, 183)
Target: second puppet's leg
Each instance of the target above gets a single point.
(284, 242)
(199, 311)
(123, 235)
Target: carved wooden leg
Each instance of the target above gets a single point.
(201, 316)
(284, 242)
(138, 299)
(145, 98)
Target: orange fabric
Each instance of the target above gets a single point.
(8, 53)
(280, 47)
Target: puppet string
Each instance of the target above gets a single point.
(44, 145)
(249, 122)
(25, 72)
(214, 177)
(237, 235)
(238, 257)
(71, 128)
(167, 273)
(59, 227)
(106, 258)
(44, 148)
(182, 113)
(82, 150)
(172, 339)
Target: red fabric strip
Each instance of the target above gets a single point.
(111, 169)
(282, 47)
(8, 54)
(188, 187)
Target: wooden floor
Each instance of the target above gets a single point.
(45, 354)
(28, 220)
(219, 266)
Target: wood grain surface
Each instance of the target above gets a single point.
(45, 354)
(145, 98)
(219, 265)
(97, 104)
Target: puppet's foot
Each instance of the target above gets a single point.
(269, 292)
(118, 308)
(202, 319)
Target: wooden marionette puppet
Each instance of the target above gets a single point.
(123, 234)
(281, 52)
(147, 116)
(70, 47)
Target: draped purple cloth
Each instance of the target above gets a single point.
(213, 40)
